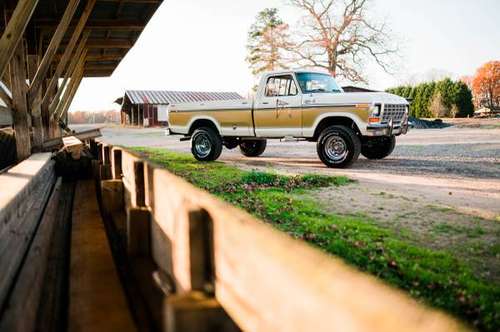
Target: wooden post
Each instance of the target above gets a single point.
(117, 164)
(139, 232)
(69, 49)
(14, 31)
(80, 56)
(36, 113)
(140, 200)
(20, 113)
(201, 252)
(52, 48)
(70, 91)
(196, 312)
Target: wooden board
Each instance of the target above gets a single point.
(25, 189)
(264, 279)
(24, 300)
(97, 302)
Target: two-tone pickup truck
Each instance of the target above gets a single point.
(301, 104)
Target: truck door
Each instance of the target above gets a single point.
(278, 111)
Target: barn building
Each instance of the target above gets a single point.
(149, 108)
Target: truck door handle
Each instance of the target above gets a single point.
(265, 103)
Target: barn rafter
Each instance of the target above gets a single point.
(43, 41)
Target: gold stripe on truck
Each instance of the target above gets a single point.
(267, 118)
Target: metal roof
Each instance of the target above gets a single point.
(170, 97)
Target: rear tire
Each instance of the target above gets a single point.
(206, 144)
(378, 148)
(253, 148)
(338, 146)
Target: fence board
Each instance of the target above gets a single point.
(264, 279)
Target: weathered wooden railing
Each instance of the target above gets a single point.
(210, 258)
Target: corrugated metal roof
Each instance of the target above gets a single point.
(173, 97)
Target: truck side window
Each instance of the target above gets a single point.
(271, 87)
(281, 86)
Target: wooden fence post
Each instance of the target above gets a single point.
(198, 309)
(117, 164)
(20, 114)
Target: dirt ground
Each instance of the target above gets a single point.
(440, 187)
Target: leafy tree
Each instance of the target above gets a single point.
(463, 100)
(486, 85)
(444, 98)
(267, 39)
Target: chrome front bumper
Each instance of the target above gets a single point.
(387, 129)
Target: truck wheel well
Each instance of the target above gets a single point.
(336, 120)
(203, 123)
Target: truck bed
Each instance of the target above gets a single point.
(234, 117)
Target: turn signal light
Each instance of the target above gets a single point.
(373, 120)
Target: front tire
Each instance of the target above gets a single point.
(253, 148)
(378, 148)
(338, 146)
(206, 144)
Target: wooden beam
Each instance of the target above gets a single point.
(68, 99)
(52, 49)
(83, 135)
(56, 105)
(20, 115)
(69, 48)
(99, 24)
(36, 113)
(79, 55)
(107, 43)
(14, 31)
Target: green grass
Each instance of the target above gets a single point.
(435, 277)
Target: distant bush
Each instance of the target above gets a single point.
(445, 98)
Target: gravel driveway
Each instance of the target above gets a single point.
(456, 167)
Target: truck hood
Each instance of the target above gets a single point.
(350, 98)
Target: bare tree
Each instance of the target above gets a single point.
(339, 36)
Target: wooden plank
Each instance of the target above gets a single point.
(71, 45)
(20, 114)
(69, 92)
(97, 302)
(24, 301)
(52, 315)
(14, 31)
(36, 113)
(83, 135)
(52, 48)
(79, 56)
(266, 280)
(73, 145)
(25, 189)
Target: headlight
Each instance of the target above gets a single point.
(376, 110)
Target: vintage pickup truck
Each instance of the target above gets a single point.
(300, 104)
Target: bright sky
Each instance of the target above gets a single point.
(200, 45)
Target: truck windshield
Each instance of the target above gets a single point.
(317, 83)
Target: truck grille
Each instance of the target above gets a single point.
(395, 112)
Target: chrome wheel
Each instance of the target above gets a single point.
(202, 145)
(336, 148)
